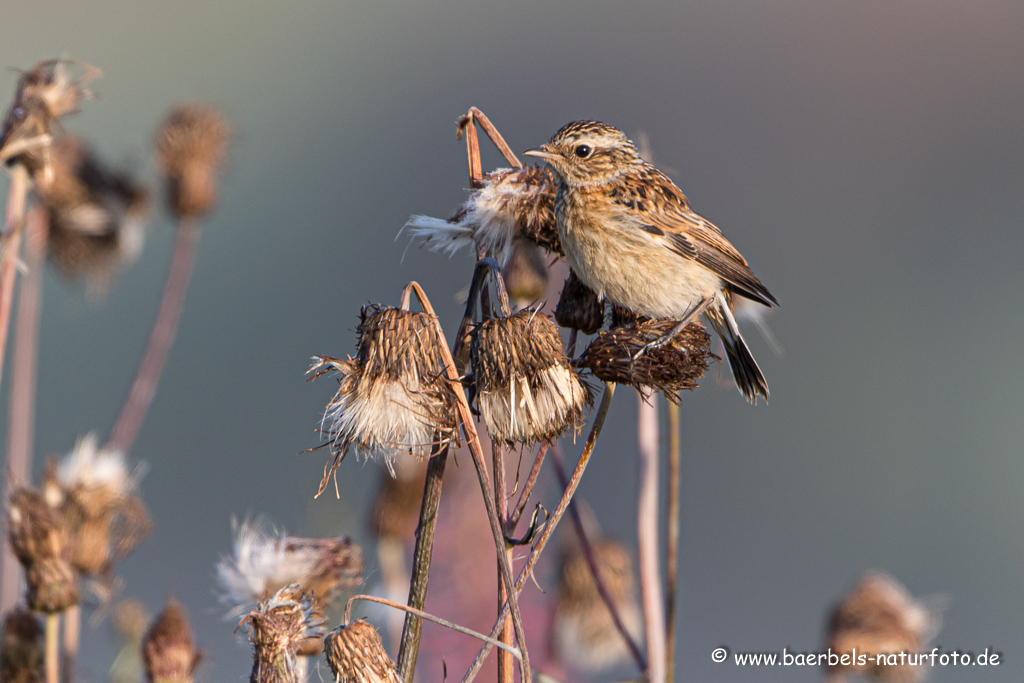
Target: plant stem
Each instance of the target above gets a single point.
(17, 195)
(549, 528)
(122, 436)
(501, 502)
(595, 568)
(524, 497)
(72, 632)
(647, 538)
(52, 643)
(410, 647)
(672, 551)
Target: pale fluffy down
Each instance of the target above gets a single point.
(515, 414)
(90, 467)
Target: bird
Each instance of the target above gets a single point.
(630, 234)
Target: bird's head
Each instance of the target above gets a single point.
(588, 153)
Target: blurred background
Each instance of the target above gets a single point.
(865, 157)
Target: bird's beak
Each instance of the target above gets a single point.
(540, 153)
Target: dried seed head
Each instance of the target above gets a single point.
(265, 561)
(527, 391)
(396, 507)
(391, 397)
(168, 650)
(618, 355)
(21, 660)
(585, 634)
(277, 628)
(579, 307)
(190, 148)
(38, 539)
(96, 216)
(513, 203)
(525, 274)
(356, 654)
(45, 94)
(879, 616)
(104, 517)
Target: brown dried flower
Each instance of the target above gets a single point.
(618, 355)
(356, 654)
(169, 650)
(579, 307)
(392, 397)
(277, 628)
(527, 391)
(513, 203)
(39, 539)
(45, 93)
(880, 617)
(190, 148)
(96, 216)
(585, 636)
(21, 660)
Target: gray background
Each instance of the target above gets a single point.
(865, 157)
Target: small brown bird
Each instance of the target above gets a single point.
(629, 233)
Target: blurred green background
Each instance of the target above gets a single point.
(865, 157)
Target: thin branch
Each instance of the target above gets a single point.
(476, 116)
(672, 551)
(647, 539)
(505, 673)
(524, 497)
(72, 633)
(160, 339)
(595, 568)
(549, 529)
(52, 656)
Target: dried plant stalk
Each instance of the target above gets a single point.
(647, 540)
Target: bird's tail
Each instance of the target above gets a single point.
(749, 379)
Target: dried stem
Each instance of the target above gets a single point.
(647, 538)
(595, 568)
(409, 649)
(549, 529)
(160, 339)
(672, 551)
(52, 645)
(430, 617)
(72, 634)
(524, 497)
(467, 122)
(17, 472)
(505, 673)
(476, 451)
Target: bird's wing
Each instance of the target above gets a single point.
(666, 214)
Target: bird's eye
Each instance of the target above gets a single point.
(582, 151)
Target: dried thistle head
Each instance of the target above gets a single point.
(356, 654)
(396, 507)
(191, 147)
(169, 650)
(21, 659)
(618, 355)
(96, 216)
(527, 391)
(45, 93)
(525, 274)
(277, 628)
(879, 616)
(579, 307)
(104, 517)
(264, 561)
(512, 203)
(392, 397)
(38, 539)
(585, 636)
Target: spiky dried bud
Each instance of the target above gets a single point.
(104, 517)
(264, 561)
(579, 307)
(621, 355)
(527, 391)
(96, 216)
(190, 149)
(45, 93)
(21, 660)
(169, 651)
(356, 654)
(584, 632)
(277, 628)
(525, 274)
(39, 539)
(622, 316)
(396, 507)
(879, 617)
(392, 397)
(512, 203)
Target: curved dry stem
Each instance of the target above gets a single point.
(524, 497)
(672, 551)
(549, 529)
